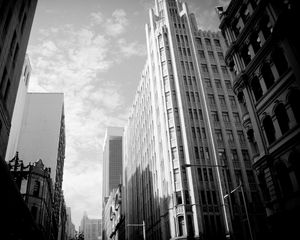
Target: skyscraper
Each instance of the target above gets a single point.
(112, 159)
(16, 19)
(263, 53)
(17, 116)
(184, 145)
(91, 228)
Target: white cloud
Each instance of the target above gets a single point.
(96, 18)
(116, 25)
(132, 48)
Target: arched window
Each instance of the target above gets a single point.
(282, 118)
(280, 61)
(256, 88)
(294, 99)
(266, 26)
(284, 179)
(269, 129)
(267, 75)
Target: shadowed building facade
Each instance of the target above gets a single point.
(184, 145)
(263, 54)
(16, 19)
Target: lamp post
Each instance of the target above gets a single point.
(245, 205)
(228, 232)
(139, 225)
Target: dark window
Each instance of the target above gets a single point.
(256, 88)
(282, 118)
(245, 55)
(36, 188)
(269, 129)
(34, 212)
(267, 75)
(294, 99)
(280, 61)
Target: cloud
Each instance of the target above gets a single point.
(131, 49)
(116, 25)
(96, 18)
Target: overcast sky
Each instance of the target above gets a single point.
(93, 51)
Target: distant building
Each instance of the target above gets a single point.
(35, 185)
(112, 159)
(112, 163)
(91, 228)
(42, 136)
(70, 226)
(263, 54)
(114, 218)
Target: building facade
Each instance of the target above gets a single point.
(42, 136)
(69, 225)
(112, 165)
(114, 218)
(15, 25)
(184, 145)
(91, 228)
(263, 54)
(112, 159)
(17, 116)
(35, 185)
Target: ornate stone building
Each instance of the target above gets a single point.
(263, 54)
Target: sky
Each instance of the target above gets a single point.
(94, 52)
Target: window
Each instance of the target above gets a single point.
(224, 70)
(184, 80)
(280, 61)
(245, 54)
(236, 118)
(235, 158)
(191, 113)
(266, 26)
(219, 135)
(208, 83)
(221, 57)
(217, 43)
(256, 88)
(284, 178)
(228, 85)
(174, 153)
(179, 197)
(230, 136)
(282, 118)
(204, 68)
(294, 99)
(172, 133)
(196, 153)
(208, 43)
(225, 117)
(222, 100)
(241, 137)
(181, 228)
(200, 114)
(211, 56)
(218, 83)
(267, 75)
(201, 54)
(214, 116)
(203, 133)
(211, 99)
(214, 69)
(199, 43)
(269, 129)
(232, 101)
(36, 188)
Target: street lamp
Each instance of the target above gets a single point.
(228, 232)
(240, 186)
(139, 225)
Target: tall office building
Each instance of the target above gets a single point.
(42, 136)
(17, 116)
(264, 55)
(16, 19)
(112, 160)
(184, 145)
(91, 228)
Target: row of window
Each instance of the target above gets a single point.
(269, 74)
